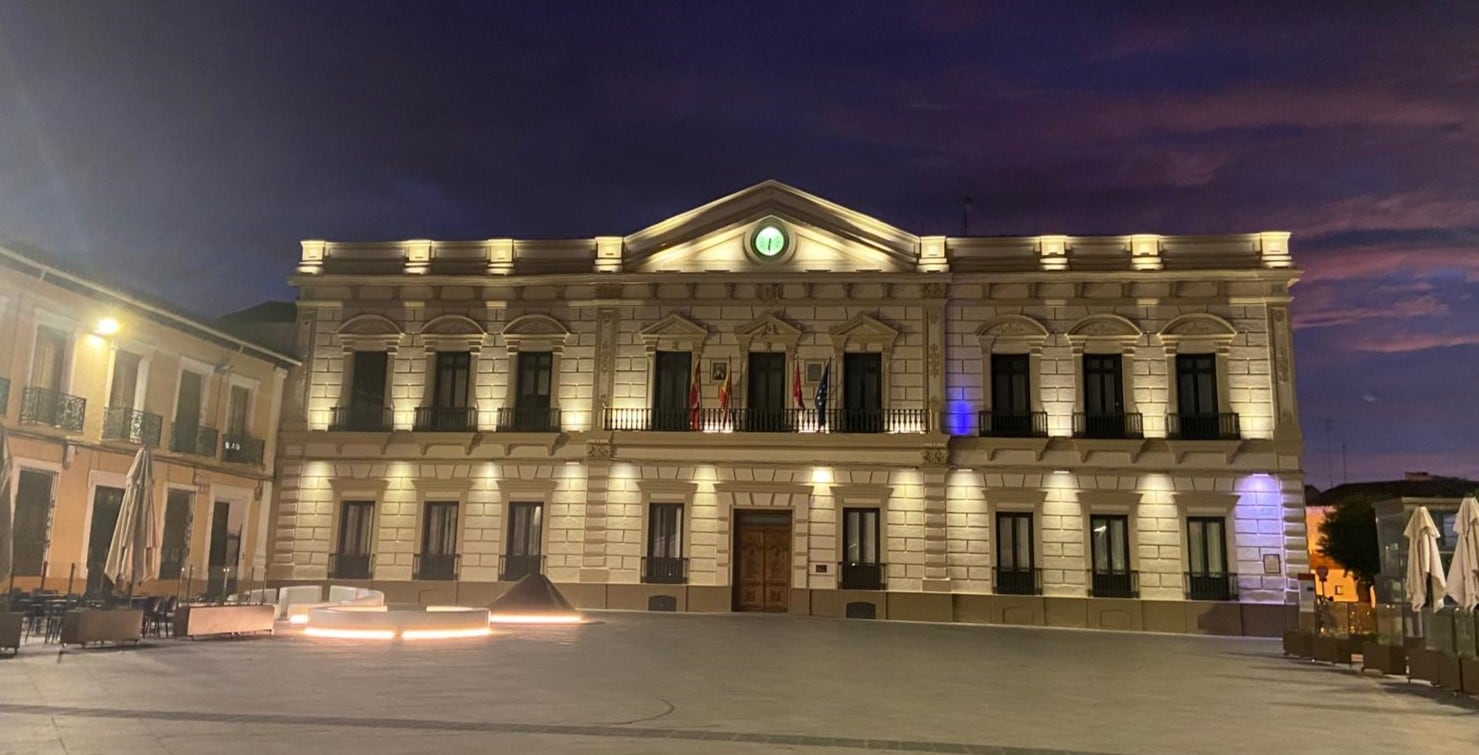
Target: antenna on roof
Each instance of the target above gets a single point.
(966, 206)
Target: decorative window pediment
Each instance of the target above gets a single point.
(452, 333)
(767, 332)
(370, 332)
(535, 333)
(674, 333)
(1104, 328)
(1208, 329)
(1019, 331)
(864, 331)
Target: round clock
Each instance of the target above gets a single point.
(769, 241)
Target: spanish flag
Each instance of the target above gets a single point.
(724, 389)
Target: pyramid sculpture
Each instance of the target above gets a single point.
(534, 595)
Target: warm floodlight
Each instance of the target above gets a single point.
(107, 327)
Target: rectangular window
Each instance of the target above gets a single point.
(664, 562)
(175, 541)
(453, 377)
(765, 393)
(367, 386)
(1015, 572)
(1109, 541)
(672, 381)
(105, 505)
(356, 533)
(1196, 399)
(525, 528)
(33, 503)
(238, 408)
(1206, 559)
(862, 394)
(438, 557)
(1103, 391)
(862, 567)
(186, 437)
(124, 391)
(535, 368)
(1011, 397)
(49, 359)
(224, 557)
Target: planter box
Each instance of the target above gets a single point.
(1469, 668)
(1299, 644)
(1423, 664)
(213, 621)
(89, 626)
(10, 631)
(1334, 649)
(1448, 672)
(1388, 659)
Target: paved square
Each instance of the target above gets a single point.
(643, 683)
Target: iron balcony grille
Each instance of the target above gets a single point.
(242, 449)
(4, 395)
(446, 419)
(1211, 586)
(1014, 425)
(351, 565)
(1017, 581)
(515, 568)
(370, 419)
(1114, 584)
(194, 439)
(44, 406)
(1108, 425)
(664, 570)
(520, 419)
(751, 420)
(663, 420)
(435, 566)
(132, 426)
(1222, 426)
(861, 575)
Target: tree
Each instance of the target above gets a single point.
(1348, 535)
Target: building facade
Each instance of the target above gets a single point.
(775, 403)
(89, 373)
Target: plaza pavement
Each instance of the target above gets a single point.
(660, 683)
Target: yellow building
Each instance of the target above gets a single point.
(88, 373)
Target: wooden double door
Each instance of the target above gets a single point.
(762, 561)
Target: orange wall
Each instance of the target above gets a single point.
(1339, 585)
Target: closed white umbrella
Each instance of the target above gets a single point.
(7, 506)
(1424, 563)
(133, 555)
(1463, 573)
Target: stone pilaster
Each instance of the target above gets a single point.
(936, 535)
(594, 566)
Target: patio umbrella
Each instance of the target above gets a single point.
(1463, 573)
(7, 534)
(133, 555)
(1424, 563)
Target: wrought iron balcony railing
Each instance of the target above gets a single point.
(437, 566)
(664, 570)
(521, 419)
(1014, 425)
(351, 565)
(1222, 426)
(1114, 584)
(132, 426)
(860, 575)
(1011, 580)
(44, 406)
(193, 438)
(446, 419)
(753, 420)
(367, 419)
(1211, 586)
(515, 568)
(242, 449)
(1127, 425)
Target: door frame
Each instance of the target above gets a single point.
(736, 514)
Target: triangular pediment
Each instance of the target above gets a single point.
(674, 326)
(826, 236)
(769, 324)
(865, 327)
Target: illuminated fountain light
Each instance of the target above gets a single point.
(533, 600)
(406, 622)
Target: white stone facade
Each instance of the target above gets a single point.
(937, 310)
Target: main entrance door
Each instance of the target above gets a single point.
(762, 561)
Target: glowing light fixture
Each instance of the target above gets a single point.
(350, 634)
(444, 634)
(534, 618)
(107, 327)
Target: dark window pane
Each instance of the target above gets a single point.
(665, 531)
(33, 504)
(175, 541)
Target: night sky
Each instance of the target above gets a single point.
(186, 147)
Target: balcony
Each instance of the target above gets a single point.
(515, 568)
(1009, 425)
(1114, 584)
(446, 419)
(351, 565)
(194, 439)
(520, 419)
(860, 575)
(662, 420)
(743, 420)
(1017, 581)
(132, 426)
(1108, 426)
(1211, 586)
(4, 396)
(360, 419)
(1222, 426)
(43, 406)
(664, 570)
(435, 566)
(242, 449)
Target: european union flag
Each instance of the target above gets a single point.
(822, 389)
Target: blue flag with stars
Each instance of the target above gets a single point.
(822, 389)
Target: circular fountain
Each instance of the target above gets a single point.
(389, 622)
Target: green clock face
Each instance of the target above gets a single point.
(769, 241)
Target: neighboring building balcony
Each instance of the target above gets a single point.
(242, 449)
(860, 575)
(43, 406)
(446, 419)
(1007, 425)
(515, 568)
(1222, 426)
(194, 439)
(1211, 586)
(1108, 426)
(364, 419)
(1017, 581)
(4, 395)
(664, 570)
(132, 426)
(1113, 583)
(351, 565)
(435, 566)
(520, 419)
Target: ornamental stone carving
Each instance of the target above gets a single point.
(935, 455)
(608, 290)
(369, 325)
(934, 290)
(599, 451)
